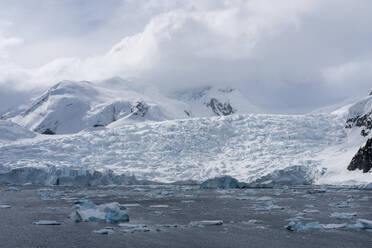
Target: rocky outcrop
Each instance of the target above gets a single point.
(362, 160)
(219, 108)
(140, 109)
(362, 121)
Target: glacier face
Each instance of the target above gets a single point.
(247, 147)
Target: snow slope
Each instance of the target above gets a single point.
(247, 147)
(69, 107)
(10, 131)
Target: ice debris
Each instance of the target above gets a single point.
(296, 225)
(4, 206)
(105, 231)
(252, 222)
(343, 215)
(203, 223)
(110, 212)
(46, 222)
(362, 224)
(159, 206)
(131, 228)
(343, 204)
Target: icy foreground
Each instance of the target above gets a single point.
(301, 216)
(246, 147)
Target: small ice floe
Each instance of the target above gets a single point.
(109, 212)
(313, 211)
(4, 206)
(159, 206)
(252, 222)
(188, 201)
(245, 198)
(105, 231)
(46, 222)
(269, 205)
(361, 224)
(130, 205)
(309, 206)
(203, 223)
(13, 189)
(131, 228)
(343, 215)
(343, 204)
(334, 226)
(296, 225)
(264, 198)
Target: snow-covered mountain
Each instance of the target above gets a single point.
(193, 134)
(69, 107)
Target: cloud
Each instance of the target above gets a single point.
(285, 55)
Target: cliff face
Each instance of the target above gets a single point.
(362, 160)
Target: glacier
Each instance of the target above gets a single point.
(113, 133)
(246, 147)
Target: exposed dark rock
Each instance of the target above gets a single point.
(362, 160)
(48, 131)
(187, 113)
(98, 125)
(362, 121)
(219, 108)
(140, 109)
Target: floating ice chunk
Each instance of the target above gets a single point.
(264, 198)
(188, 201)
(5, 206)
(131, 228)
(361, 224)
(159, 206)
(224, 182)
(251, 222)
(366, 186)
(46, 222)
(244, 198)
(311, 211)
(298, 226)
(202, 223)
(130, 205)
(309, 206)
(13, 189)
(104, 231)
(343, 204)
(334, 226)
(343, 215)
(109, 212)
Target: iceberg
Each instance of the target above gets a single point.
(109, 212)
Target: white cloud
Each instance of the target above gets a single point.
(283, 54)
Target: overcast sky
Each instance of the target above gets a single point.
(286, 56)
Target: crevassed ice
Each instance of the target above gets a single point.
(246, 147)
